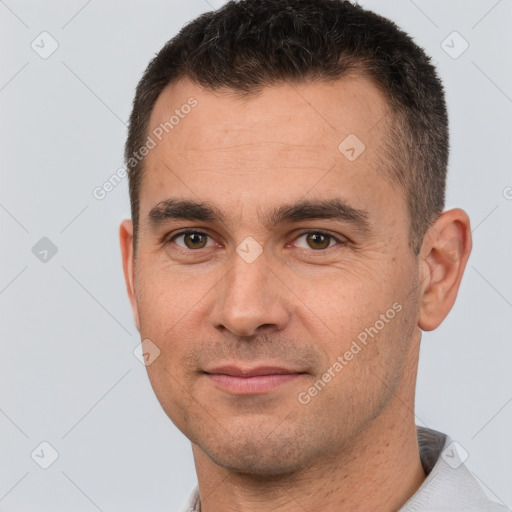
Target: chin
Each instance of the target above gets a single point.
(259, 454)
(259, 465)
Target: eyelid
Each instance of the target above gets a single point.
(185, 231)
(340, 239)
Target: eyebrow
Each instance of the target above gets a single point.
(303, 210)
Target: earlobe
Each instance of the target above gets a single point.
(445, 252)
(126, 241)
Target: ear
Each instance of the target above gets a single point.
(126, 240)
(443, 255)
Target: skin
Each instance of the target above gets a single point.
(298, 305)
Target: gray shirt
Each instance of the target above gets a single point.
(449, 486)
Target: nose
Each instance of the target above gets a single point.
(250, 298)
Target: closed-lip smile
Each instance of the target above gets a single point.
(249, 381)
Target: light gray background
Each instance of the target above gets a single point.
(68, 375)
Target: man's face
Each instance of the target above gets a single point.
(305, 252)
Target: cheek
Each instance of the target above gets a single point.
(168, 296)
(366, 318)
(172, 392)
(346, 303)
(171, 314)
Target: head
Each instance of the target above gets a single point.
(303, 145)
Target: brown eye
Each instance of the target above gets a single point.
(191, 240)
(318, 240)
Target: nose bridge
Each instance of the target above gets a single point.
(248, 280)
(250, 297)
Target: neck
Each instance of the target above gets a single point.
(379, 470)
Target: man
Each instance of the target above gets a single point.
(287, 247)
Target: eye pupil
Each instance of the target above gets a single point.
(197, 241)
(318, 240)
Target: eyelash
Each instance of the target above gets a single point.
(342, 242)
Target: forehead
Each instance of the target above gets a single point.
(312, 114)
(286, 140)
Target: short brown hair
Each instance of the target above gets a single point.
(249, 44)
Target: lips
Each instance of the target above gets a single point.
(248, 381)
(236, 371)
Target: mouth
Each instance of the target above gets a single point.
(251, 381)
